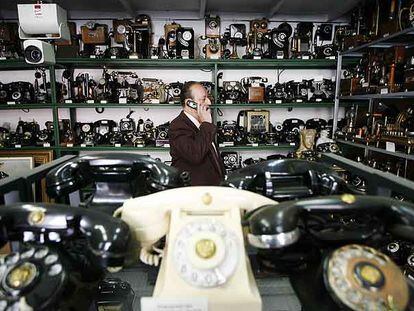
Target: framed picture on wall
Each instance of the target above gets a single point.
(38, 157)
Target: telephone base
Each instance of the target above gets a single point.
(249, 301)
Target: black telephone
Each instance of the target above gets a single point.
(333, 249)
(61, 248)
(287, 179)
(117, 177)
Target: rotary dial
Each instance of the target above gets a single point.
(206, 253)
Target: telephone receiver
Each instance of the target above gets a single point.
(42, 267)
(284, 219)
(287, 179)
(117, 177)
(346, 254)
(293, 124)
(42, 223)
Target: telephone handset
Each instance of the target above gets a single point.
(37, 274)
(117, 177)
(203, 254)
(355, 275)
(287, 179)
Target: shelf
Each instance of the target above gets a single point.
(281, 147)
(401, 38)
(113, 148)
(175, 106)
(28, 148)
(162, 149)
(274, 106)
(117, 105)
(15, 64)
(276, 63)
(26, 106)
(135, 63)
(379, 150)
(202, 63)
(379, 96)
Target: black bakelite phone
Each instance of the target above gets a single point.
(116, 177)
(56, 249)
(288, 179)
(344, 245)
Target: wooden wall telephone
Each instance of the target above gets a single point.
(204, 255)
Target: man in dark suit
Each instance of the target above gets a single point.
(192, 138)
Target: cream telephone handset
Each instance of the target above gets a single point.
(204, 255)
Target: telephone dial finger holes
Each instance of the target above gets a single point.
(206, 253)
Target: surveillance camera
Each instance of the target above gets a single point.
(39, 52)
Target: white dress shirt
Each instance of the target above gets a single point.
(197, 124)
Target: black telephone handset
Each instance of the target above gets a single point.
(44, 266)
(349, 233)
(117, 177)
(288, 179)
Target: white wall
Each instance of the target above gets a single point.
(170, 75)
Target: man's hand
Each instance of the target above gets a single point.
(204, 113)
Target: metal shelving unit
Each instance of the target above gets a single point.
(198, 64)
(403, 38)
(395, 95)
(375, 149)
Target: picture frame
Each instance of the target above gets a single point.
(39, 157)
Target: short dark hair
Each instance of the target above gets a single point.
(186, 91)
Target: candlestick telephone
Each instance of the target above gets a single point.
(335, 249)
(288, 179)
(204, 254)
(61, 248)
(116, 178)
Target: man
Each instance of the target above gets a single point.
(192, 134)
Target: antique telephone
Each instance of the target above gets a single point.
(204, 254)
(301, 44)
(9, 41)
(291, 129)
(258, 29)
(185, 43)
(237, 37)
(93, 36)
(117, 177)
(278, 41)
(339, 244)
(170, 33)
(254, 88)
(287, 179)
(212, 49)
(61, 247)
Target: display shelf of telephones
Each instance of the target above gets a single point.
(201, 63)
(403, 38)
(397, 154)
(380, 74)
(27, 135)
(28, 95)
(253, 130)
(393, 166)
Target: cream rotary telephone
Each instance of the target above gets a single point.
(204, 255)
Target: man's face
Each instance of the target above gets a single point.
(200, 95)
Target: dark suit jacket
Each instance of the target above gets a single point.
(192, 151)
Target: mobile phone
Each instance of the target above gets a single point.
(192, 104)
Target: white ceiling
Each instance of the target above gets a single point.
(332, 9)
